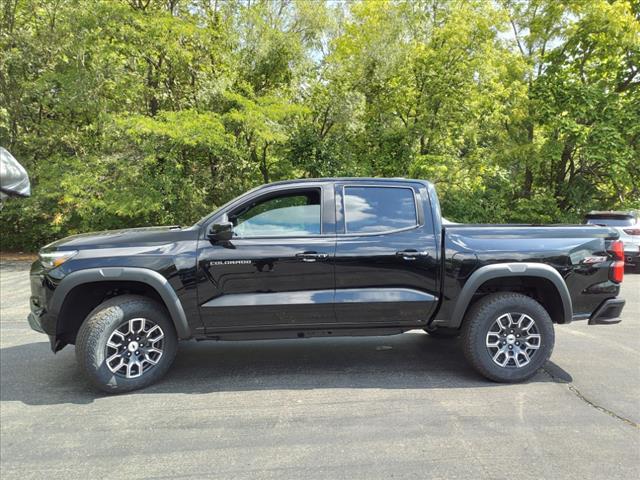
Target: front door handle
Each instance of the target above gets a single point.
(311, 256)
(411, 254)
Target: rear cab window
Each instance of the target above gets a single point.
(379, 209)
(612, 221)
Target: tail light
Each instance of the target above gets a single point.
(631, 231)
(616, 273)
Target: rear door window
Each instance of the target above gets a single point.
(369, 210)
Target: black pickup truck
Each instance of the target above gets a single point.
(323, 257)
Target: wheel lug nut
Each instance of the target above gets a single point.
(510, 347)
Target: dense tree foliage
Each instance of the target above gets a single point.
(139, 112)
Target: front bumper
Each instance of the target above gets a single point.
(40, 319)
(39, 323)
(34, 323)
(608, 313)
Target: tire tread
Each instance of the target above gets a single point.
(473, 326)
(100, 319)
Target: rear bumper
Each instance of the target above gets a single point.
(608, 313)
(632, 258)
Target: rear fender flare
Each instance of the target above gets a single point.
(489, 272)
(143, 275)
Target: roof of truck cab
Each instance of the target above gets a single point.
(273, 187)
(347, 179)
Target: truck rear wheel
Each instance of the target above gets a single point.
(507, 337)
(126, 343)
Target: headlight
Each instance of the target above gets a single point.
(56, 258)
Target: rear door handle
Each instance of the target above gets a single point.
(411, 254)
(311, 256)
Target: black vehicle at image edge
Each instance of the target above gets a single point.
(323, 257)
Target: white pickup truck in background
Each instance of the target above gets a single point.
(628, 226)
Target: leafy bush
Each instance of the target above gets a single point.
(138, 113)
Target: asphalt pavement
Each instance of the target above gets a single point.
(404, 406)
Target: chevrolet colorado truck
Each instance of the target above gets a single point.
(323, 257)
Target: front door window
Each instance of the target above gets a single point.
(294, 214)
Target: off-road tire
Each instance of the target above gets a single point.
(480, 318)
(99, 326)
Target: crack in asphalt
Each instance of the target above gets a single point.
(573, 389)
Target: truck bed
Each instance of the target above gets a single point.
(572, 250)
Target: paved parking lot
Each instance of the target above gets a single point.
(381, 407)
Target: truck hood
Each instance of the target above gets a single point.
(145, 236)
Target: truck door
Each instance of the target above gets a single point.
(386, 262)
(277, 270)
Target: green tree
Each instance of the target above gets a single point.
(137, 112)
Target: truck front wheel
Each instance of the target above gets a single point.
(126, 343)
(507, 336)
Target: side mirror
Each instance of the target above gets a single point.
(14, 181)
(221, 232)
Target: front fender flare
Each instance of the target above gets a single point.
(501, 270)
(143, 275)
